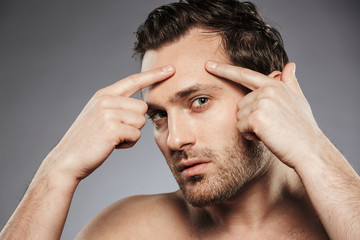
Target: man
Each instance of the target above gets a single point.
(243, 145)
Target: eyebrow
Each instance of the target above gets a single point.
(192, 89)
(185, 93)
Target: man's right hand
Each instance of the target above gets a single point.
(110, 120)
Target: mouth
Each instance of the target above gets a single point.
(192, 167)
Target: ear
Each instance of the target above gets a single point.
(275, 74)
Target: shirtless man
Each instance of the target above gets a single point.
(242, 144)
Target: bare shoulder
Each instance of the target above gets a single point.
(139, 217)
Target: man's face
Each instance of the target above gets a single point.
(194, 117)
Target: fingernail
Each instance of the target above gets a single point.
(211, 64)
(167, 69)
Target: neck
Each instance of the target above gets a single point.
(275, 190)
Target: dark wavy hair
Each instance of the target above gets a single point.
(248, 41)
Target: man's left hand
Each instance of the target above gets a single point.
(275, 112)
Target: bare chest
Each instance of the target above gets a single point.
(307, 231)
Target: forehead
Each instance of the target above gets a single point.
(188, 55)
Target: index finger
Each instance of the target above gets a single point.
(246, 77)
(130, 85)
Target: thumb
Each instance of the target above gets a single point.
(288, 76)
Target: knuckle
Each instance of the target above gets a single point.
(100, 92)
(143, 107)
(264, 103)
(156, 71)
(134, 78)
(142, 121)
(137, 134)
(103, 101)
(106, 115)
(132, 134)
(110, 126)
(269, 91)
(257, 118)
(240, 115)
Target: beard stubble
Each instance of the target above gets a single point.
(233, 166)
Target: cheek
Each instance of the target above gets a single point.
(219, 124)
(161, 140)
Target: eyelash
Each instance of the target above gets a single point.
(200, 107)
(152, 115)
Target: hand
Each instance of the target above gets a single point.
(275, 112)
(110, 120)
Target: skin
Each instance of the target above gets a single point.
(272, 203)
(182, 122)
(110, 120)
(304, 192)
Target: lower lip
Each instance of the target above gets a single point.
(195, 170)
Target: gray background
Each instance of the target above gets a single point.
(55, 54)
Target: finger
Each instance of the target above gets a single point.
(131, 118)
(246, 131)
(288, 76)
(246, 107)
(132, 104)
(250, 136)
(130, 135)
(247, 102)
(119, 102)
(130, 85)
(246, 77)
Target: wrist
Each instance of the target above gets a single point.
(321, 155)
(53, 173)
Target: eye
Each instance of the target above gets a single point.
(200, 101)
(200, 104)
(157, 115)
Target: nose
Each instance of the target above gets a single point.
(181, 132)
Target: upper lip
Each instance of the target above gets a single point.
(189, 163)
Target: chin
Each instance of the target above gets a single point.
(200, 191)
